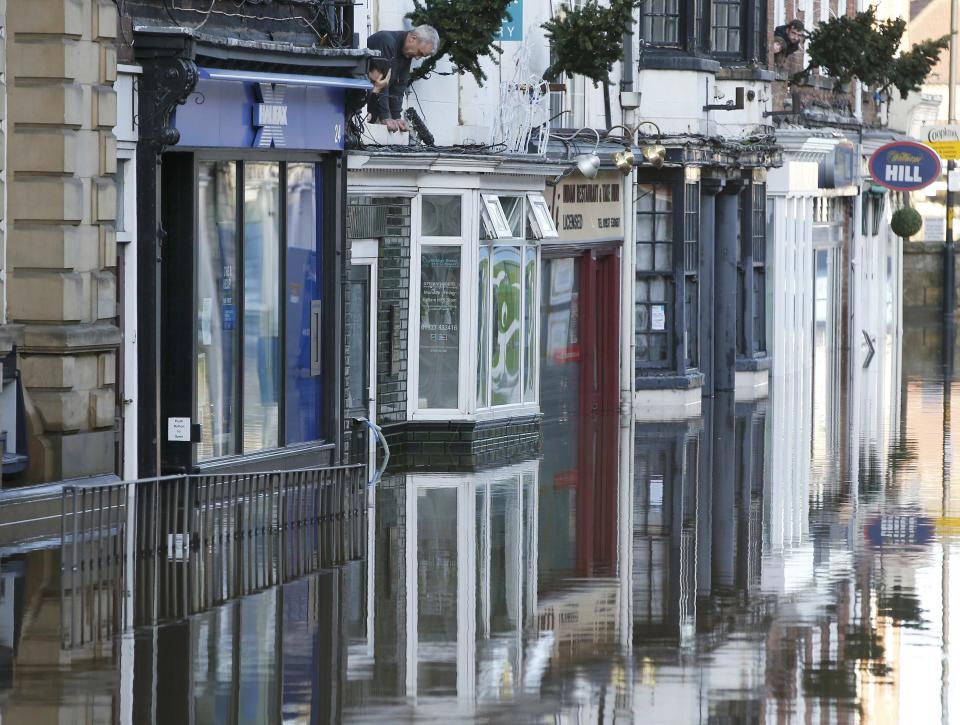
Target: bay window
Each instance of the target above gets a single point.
(496, 255)
(506, 362)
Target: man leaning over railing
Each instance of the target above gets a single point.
(397, 49)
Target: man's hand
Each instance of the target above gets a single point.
(396, 124)
(379, 86)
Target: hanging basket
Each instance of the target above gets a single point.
(906, 222)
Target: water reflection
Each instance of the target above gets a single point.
(781, 560)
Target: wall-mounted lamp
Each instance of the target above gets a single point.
(654, 154)
(586, 164)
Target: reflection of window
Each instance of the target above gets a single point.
(507, 311)
(248, 305)
(441, 216)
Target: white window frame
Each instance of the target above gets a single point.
(467, 262)
(524, 406)
(469, 244)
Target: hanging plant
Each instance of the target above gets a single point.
(863, 47)
(906, 222)
(468, 32)
(588, 40)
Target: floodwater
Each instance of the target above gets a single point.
(780, 560)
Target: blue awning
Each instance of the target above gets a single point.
(221, 74)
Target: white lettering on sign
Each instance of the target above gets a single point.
(898, 172)
(270, 115)
(178, 430)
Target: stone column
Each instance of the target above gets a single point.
(61, 248)
(709, 188)
(727, 253)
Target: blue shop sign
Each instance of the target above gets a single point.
(899, 529)
(241, 109)
(905, 166)
(512, 26)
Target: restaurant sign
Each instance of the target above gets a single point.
(905, 166)
(589, 209)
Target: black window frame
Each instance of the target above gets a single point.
(179, 286)
(752, 271)
(695, 32)
(682, 320)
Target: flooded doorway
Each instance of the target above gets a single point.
(579, 400)
(362, 350)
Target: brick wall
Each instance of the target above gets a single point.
(61, 248)
(393, 306)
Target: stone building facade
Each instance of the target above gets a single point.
(60, 252)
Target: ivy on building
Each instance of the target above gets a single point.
(468, 32)
(588, 40)
(865, 48)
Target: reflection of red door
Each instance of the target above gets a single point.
(599, 406)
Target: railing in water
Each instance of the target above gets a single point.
(145, 551)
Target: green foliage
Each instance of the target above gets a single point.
(588, 40)
(906, 222)
(863, 47)
(467, 31)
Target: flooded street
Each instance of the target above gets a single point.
(786, 559)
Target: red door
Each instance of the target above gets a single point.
(599, 406)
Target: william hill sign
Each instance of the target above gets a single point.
(905, 166)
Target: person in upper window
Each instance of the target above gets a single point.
(398, 48)
(787, 38)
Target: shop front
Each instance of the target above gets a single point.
(580, 358)
(457, 243)
(241, 368)
(700, 291)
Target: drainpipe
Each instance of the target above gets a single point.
(629, 103)
(949, 248)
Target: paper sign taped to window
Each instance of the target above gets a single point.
(178, 429)
(658, 318)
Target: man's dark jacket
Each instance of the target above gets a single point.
(788, 47)
(390, 45)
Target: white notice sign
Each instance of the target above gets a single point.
(953, 180)
(934, 229)
(178, 429)
(658, 320)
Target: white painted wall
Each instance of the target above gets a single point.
(458, 109)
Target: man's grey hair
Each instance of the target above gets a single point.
(428, 34)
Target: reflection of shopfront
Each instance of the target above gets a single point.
(249, 335)
(459, 268)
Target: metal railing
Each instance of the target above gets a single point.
(145, 551)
